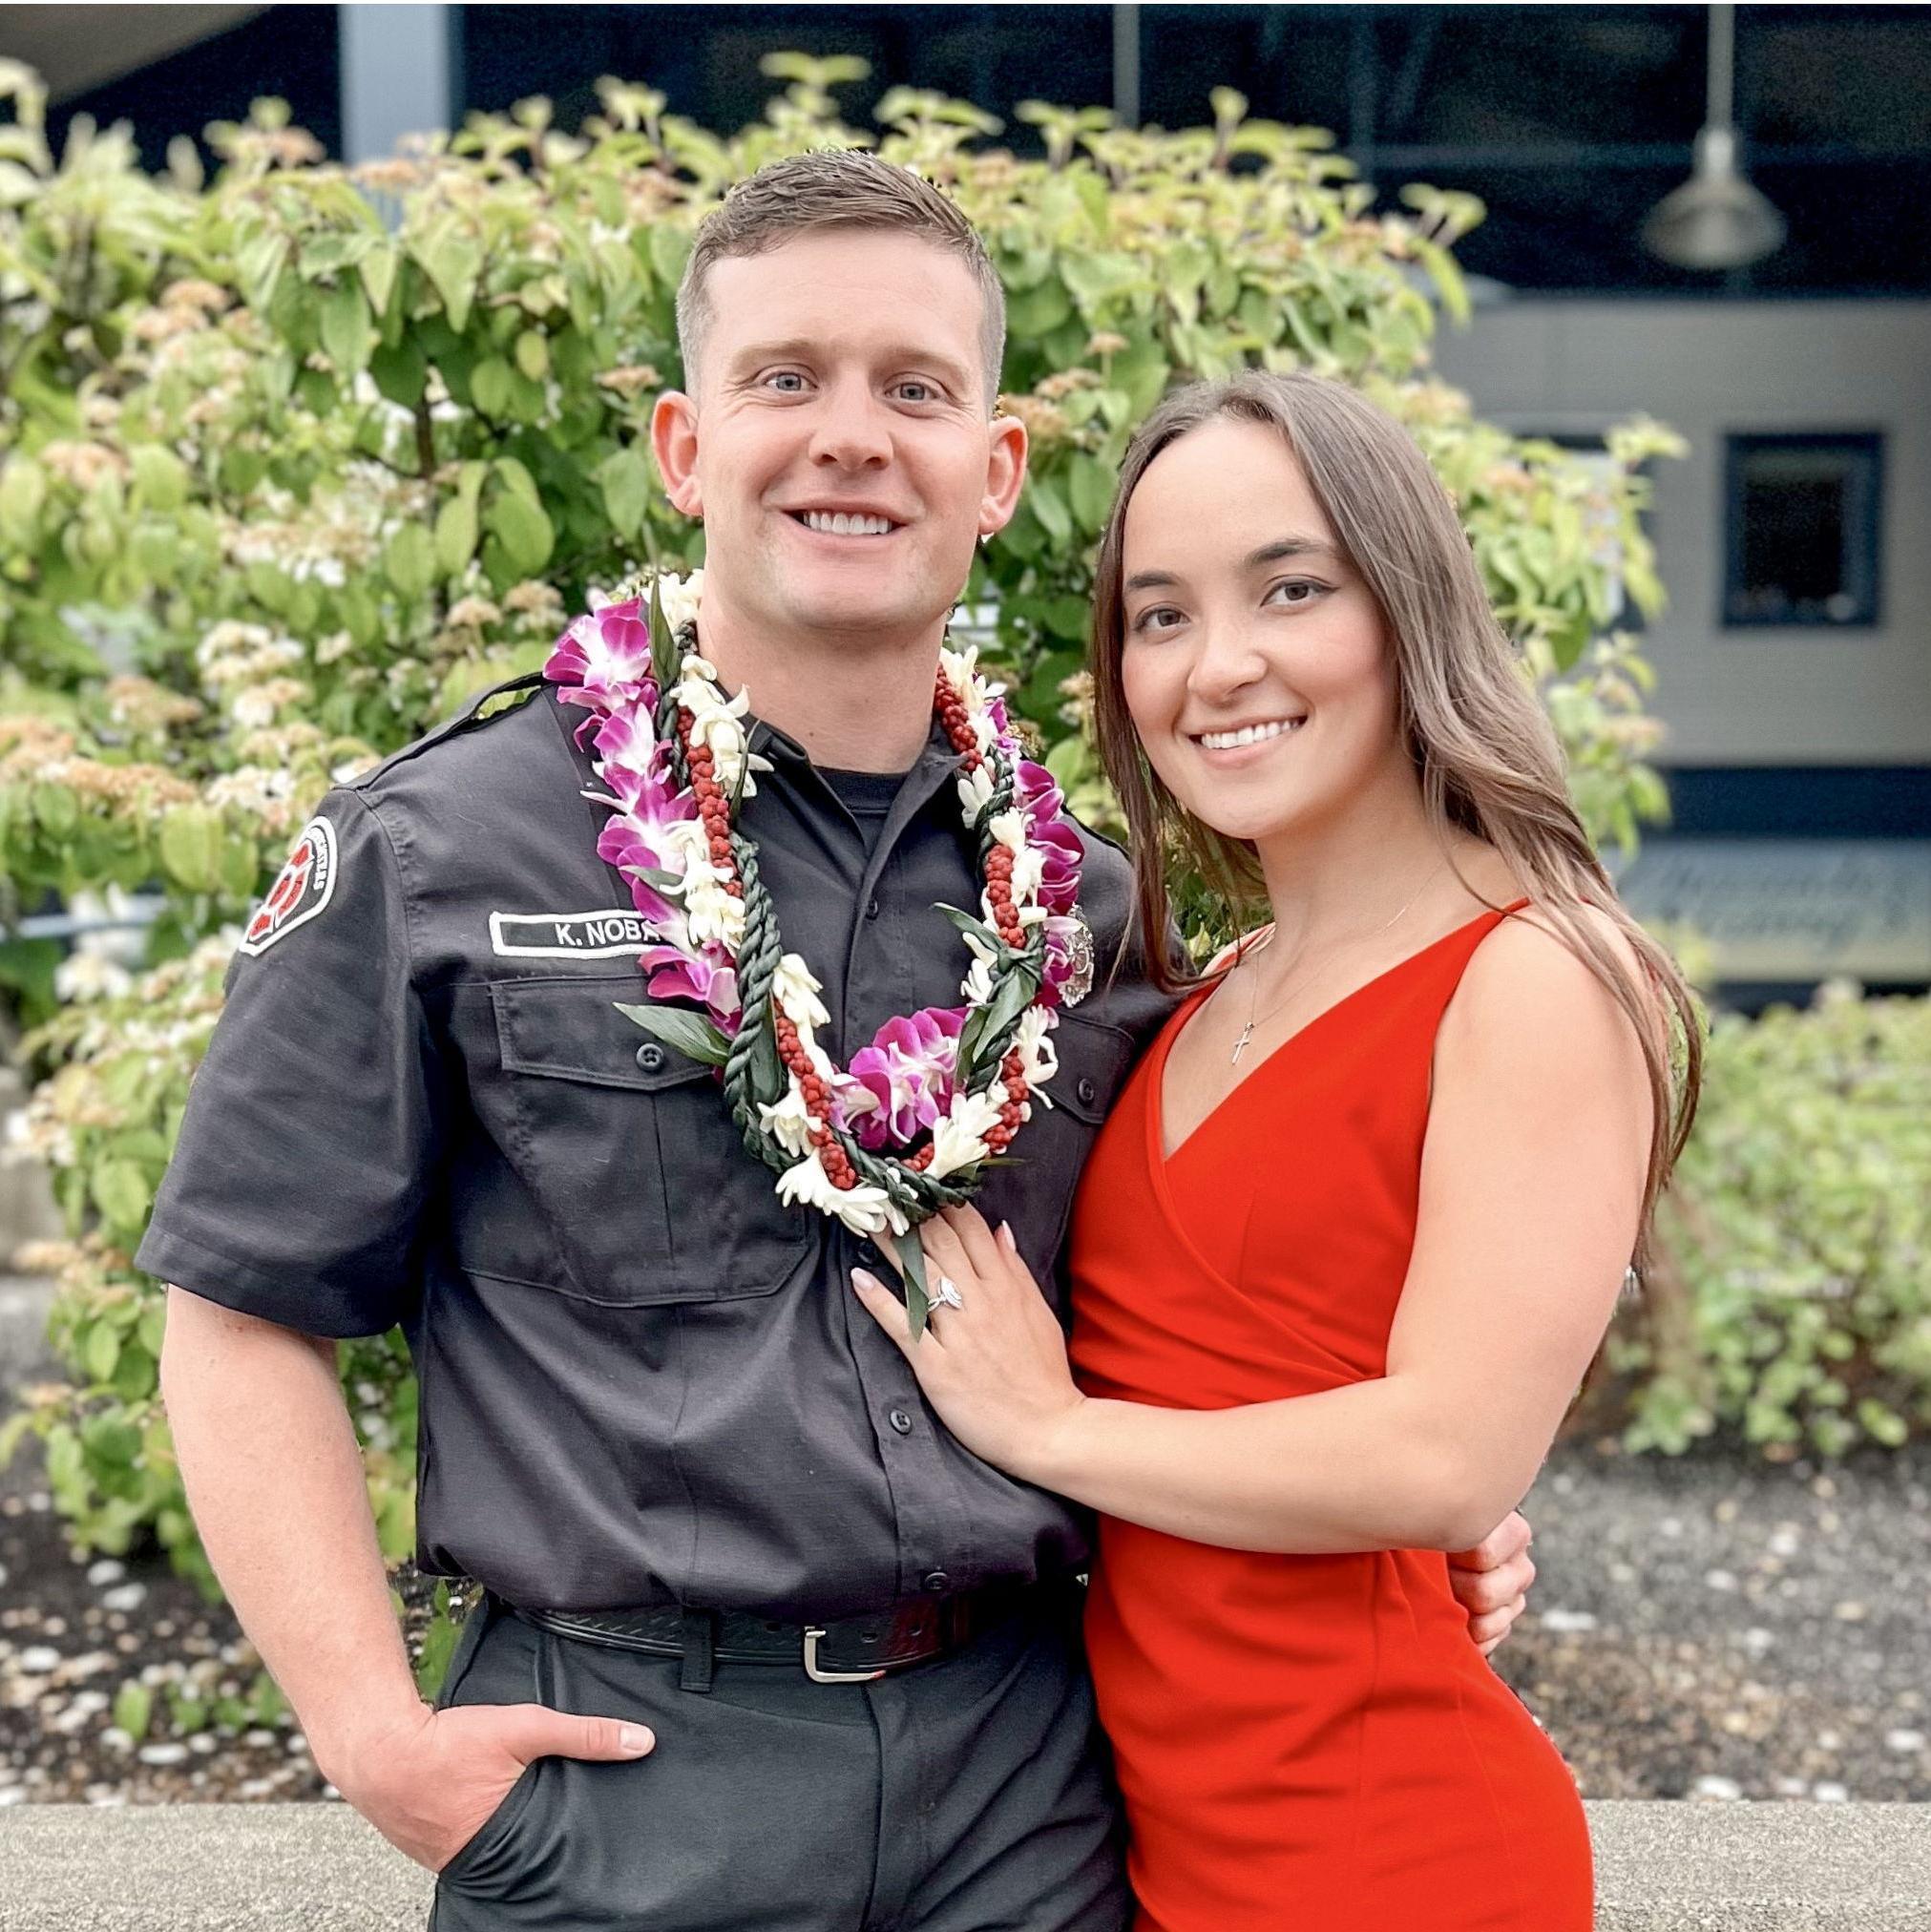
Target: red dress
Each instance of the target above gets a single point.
(1301, 1740)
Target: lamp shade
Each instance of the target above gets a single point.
(1715, 220)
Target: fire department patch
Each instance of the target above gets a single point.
(305, 886)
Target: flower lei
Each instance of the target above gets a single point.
(907, 1127)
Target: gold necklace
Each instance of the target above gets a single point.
(1254, 1017)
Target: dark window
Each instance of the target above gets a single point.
(1801, 519)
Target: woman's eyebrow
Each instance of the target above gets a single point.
(1288, 546)
(1277, 552)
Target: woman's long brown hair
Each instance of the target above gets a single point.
(1487, 757)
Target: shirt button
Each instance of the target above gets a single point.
(871, 908)
(650, 1056)
(936, 1581)
(901, 1421)
(1088, 1093)
(869, 1254)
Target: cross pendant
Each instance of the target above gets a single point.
(1247, 1033)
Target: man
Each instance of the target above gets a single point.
(760, 1643)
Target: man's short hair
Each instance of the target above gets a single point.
(835, 188)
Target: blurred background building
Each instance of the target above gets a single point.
(1786, 333)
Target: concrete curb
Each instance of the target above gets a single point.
(1660, 1867)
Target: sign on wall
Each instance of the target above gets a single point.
(1794, 909)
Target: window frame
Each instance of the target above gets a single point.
(1863, 522)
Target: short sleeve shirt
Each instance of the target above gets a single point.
(641, 1377)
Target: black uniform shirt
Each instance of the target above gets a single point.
(641, 1377)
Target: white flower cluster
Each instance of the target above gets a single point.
(864, 1209)
(717, 724)
(234, 653)
(713, 916)
(264, 794)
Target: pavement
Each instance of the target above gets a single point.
(1660, 1867)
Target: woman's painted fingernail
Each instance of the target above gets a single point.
(1006, 1235)
(861, 1279)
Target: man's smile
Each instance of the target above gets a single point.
(862, 521)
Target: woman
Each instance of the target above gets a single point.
(1357, 1226)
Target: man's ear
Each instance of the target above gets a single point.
(1005, 472)
(674, 443)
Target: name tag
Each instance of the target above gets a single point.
(567, 935)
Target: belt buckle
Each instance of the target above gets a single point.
(812, 1635)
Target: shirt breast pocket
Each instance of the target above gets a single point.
(631, 1153)
(1034, 1192)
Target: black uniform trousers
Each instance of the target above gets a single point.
(968, 1793)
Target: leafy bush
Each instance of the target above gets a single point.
(283, 481)
(1793, 1302)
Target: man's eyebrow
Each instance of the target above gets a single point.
(897, 355)
(797, 347)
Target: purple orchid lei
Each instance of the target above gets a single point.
(901, 1096)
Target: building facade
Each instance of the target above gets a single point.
(1794, 658)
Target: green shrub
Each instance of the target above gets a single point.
(1793, 1302)
(283, 481)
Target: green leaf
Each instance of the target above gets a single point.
(457, 534)
(161, 477)
(409, 559)
(1571, 641)
(191, 839)
(378, 268)
(136, 1375)
(533, 354)
(1034, 312)
(401, 371)
(523, 530)
(1050, 508)
(664, 651)
(259, 263)
(23, 492)
(110, 1439)
(100, 1352)
(491, 385)
(344, 327)
(911, 1273)
(121, 1192)
(669, 250)
(1089, 489)
(624, 477)
(689, 1033)
(439, 1643)
(977, 927)
(57, 809)
(516, 478)
(134, 1706)
(453, 260)
(395, 1526)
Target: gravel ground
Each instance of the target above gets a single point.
(1703, 1628)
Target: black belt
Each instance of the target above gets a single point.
(839, 1650)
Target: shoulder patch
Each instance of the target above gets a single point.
(301, 888)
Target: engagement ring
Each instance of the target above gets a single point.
(946, 1295)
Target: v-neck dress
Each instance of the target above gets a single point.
(1301, 1740)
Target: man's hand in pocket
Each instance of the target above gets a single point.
(429, 1782)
